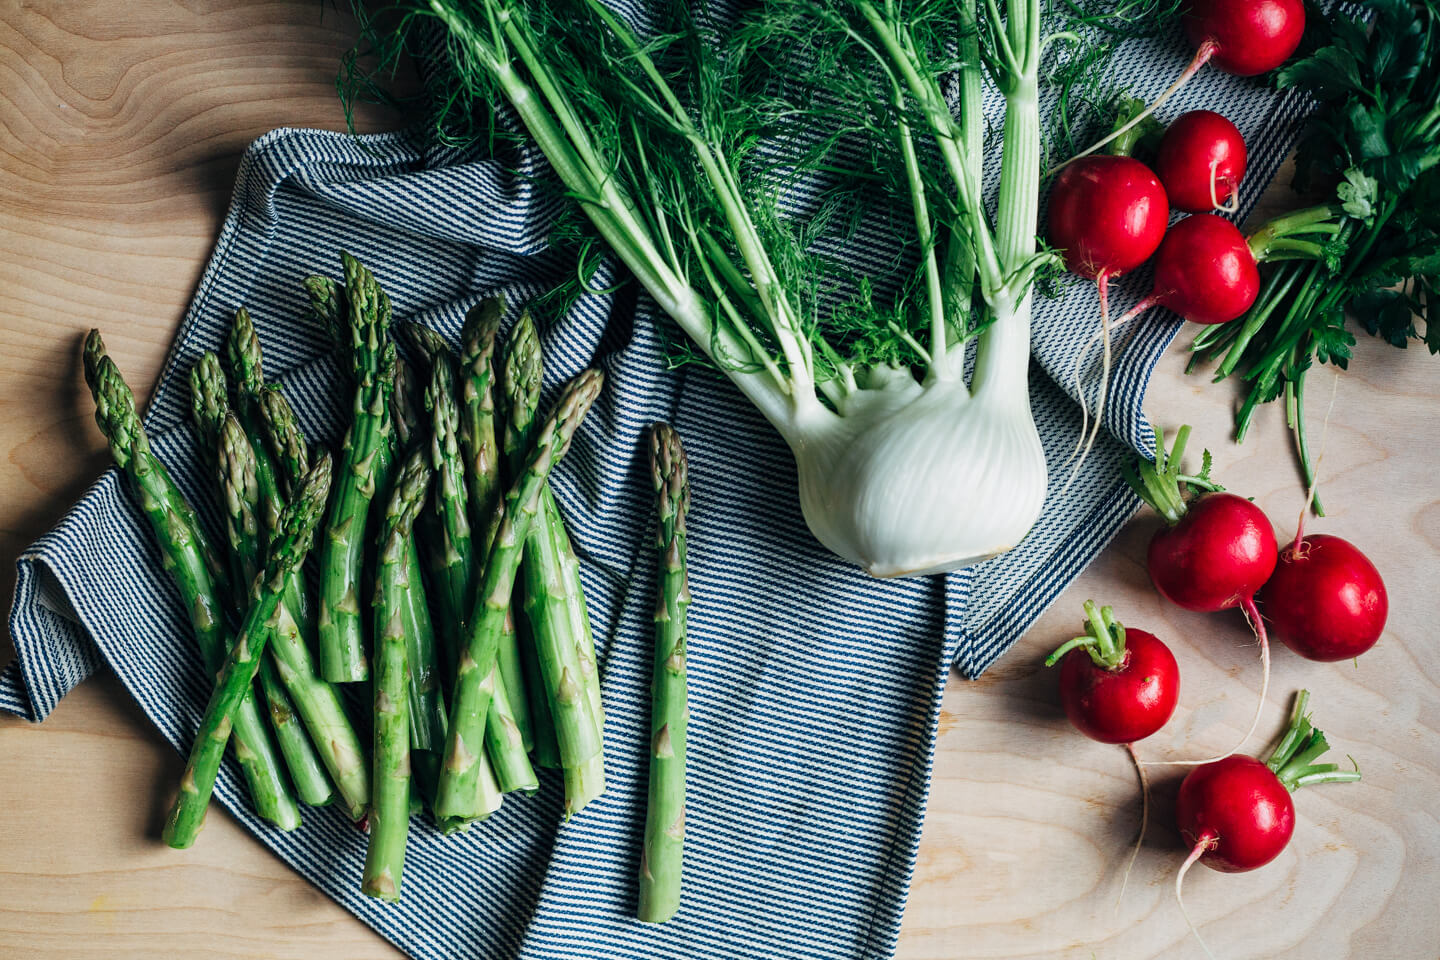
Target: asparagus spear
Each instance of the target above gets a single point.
(328, 304)
(455, 570)
(291, 542)
(553, 603)
(477, 410)
(342, 647)
(474, 681)
(313, 700)
(242, 351)
(239, 489)
(520, 384)
(318, 701)
(427, 705)
(390, 810)
(285, 441)
(660, 860)
(240, 497)
(187, 554)
(426, 344)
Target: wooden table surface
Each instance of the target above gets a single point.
(119, 138)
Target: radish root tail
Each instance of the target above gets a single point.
(1229, 206)
(1195, 854)
(1144, 820)
(1202, 56)
(1088, 442)
(1257, 623)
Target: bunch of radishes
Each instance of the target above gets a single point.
(1322, 597)
(1109, 213)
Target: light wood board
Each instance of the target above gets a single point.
(120, 129)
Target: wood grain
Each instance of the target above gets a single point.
(120, 130)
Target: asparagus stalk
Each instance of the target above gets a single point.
(291, 542)
(237, 471)
(520, 385)
(319, 702)
(477, 411)
(285, 441)
(187, 554)
(426, 344)
(475, 680)
(390, 811)
(242, 351)
(240, 497)
(455, 572)
(660, 860)
(427, 705)
(341, 634)
(553, 602)
(327, 302)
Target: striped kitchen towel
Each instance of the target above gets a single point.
(815, 690)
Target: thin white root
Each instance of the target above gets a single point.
(1252, 616)
(1195, 855)
(1230, 206)
(1144, 821)
(1103, 283)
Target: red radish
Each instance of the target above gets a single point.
(1215, 552)
(1216, 556)
(1116, 685)
(1236, 813)
(1108, 214)
(1326, 600)
(1201, 162)
(1204, 271)
(1208, 272)
(1242, 37)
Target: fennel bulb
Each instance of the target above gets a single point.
(903, 467)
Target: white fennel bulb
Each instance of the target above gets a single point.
(902, 473)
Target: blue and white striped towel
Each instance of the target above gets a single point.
(814, 689)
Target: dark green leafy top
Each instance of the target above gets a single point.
(1378, 133)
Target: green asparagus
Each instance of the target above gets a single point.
(455, 571)
(552, 599)
(663, 852)
(327, 302)
(342, 552)
(427, 704)
(193, 563)
(288, 547)
(242, 351)
(520, 387)
(474, 681)
(240, 499)
(313, 700)
(285, 441)
(477, 411)
(317, 700)
(390, 810)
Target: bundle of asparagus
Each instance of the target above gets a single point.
(419, 475)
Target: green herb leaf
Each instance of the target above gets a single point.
(1358, 195)
(1332, 73)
